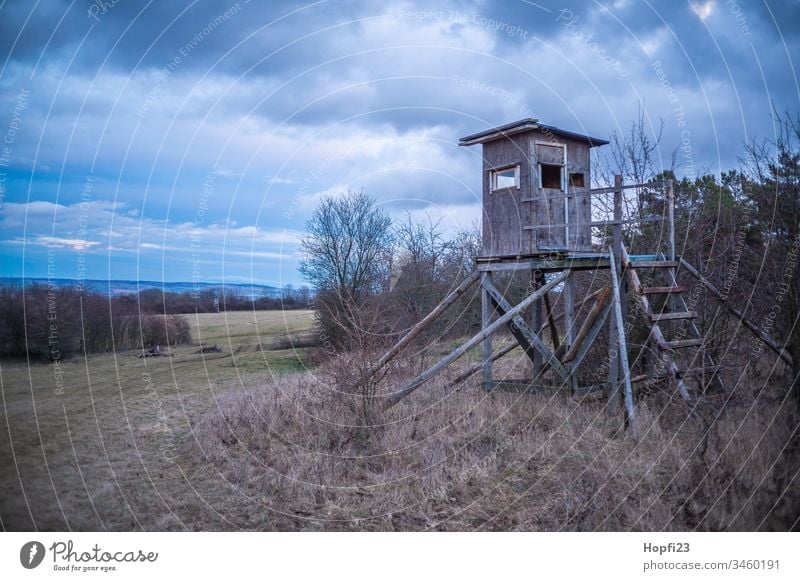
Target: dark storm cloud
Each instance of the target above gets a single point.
(286, 102)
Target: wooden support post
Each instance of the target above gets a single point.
(614, 368)
(486, 319)
(488, 331)
(551, 322)
(536, 281)
(671, 218)
(583, 350)
(616, 231)
(418, 328)
(768, 341)
(624, 369)
(531, 343)
(569, 318)
(591, 296)
(595, 312)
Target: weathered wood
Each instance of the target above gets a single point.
(430, 317)
(694, 330)
(633, 278)
(673, 316)
(551, 322)
(768, 341)
(479, 366)
(588, 323)
(527, 338)
(497, 324)
(569, 322)
(655, 330)
(671, 219)
(685, 343)
(622, 346)
(486, 318)
(597, 223)
(503, 221)
(583, 350)
(612, 189)
(663, 290)
(545, 265)
(613, 369)
(653, 264)
(536, 280)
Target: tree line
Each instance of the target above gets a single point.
(44, 322)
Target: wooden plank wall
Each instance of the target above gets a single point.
(503, 218)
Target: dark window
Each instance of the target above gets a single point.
(576, 180)
(551, 176)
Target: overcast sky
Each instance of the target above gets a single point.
(191, 140)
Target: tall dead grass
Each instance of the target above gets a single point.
(300, 451)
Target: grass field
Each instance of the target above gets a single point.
(84, 441)
(255, 438)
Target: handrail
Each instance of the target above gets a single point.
(612, 189)
(598, 224)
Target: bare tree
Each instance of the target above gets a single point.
(347, 255)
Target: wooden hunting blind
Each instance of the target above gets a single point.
(541, 216)
(532, 177)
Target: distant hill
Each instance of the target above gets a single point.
(114, 288)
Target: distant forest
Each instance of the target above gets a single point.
(49, 323)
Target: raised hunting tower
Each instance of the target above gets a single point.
(541, 217)
(533, 178)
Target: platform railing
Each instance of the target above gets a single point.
(618, 219)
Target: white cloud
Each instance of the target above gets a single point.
(703, 9)
(54, 225)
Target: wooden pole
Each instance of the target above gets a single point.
(486, 332)
(671, 218)
(417, 329)
(577, 307)
(594, 313)
(616, 231)
(537, 281)
(614, 367)
(622, 346)
(569, 313)
(486, 319)
(780, 351)
(551, 322)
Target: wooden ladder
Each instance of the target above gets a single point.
(674, 309)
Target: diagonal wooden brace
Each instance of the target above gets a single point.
(490, 330)
(524, 335)
(419, 327)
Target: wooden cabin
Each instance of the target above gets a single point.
(536, 181)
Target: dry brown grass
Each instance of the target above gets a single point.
(248, 440)
(466, 460)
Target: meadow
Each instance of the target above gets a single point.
(268, 435)
(94, 442)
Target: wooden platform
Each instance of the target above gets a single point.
(553, 261)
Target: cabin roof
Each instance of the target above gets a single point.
(524, 125)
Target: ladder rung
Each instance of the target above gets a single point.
(685, 343)
(671, 316)
(663, 290)
(701, 370)
(653, 264)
